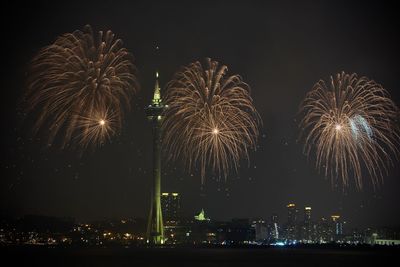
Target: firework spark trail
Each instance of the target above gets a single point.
(352, 123)
(78, 83)
(96, 128)
(210, 119)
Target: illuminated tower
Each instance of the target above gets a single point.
(154, 112)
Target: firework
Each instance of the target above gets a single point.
(80, 86)
(351, 123)
(210, 119)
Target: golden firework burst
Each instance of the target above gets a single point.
(210, 119)
(79, 79)
(351, 124)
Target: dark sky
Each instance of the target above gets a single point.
(280, 48)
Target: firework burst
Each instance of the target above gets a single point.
(351, 123)
(210, 119)
(80, 86)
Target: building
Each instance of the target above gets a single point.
(387, 242)
(307, 214)
(291, 226)
(201, 216)
(337, 228)
(239, 231)
(307, 229)
(261, 230)
(292, 213)
(171, 207)
(324, 232)
(274, 228)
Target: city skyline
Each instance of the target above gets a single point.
(290, 213)
(280, 52)
(293, 230)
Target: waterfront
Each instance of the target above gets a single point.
(155, 257)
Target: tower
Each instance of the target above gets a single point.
(154, 112)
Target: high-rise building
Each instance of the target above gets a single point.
(291, 226)
(307, 228)
(323, 231)
(337, 227)
(307, 214)
(261, 229)
(171, 207)
(274, 218)
(274, 227)
(292, 213)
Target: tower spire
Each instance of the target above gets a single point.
(157, 92)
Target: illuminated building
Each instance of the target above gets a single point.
(154, 112)
(201, 216)
(387, 242)
(323, 231)
(337, 225)
(307, 214)
(261, 230)
(239, 231)
(292, 213)
(274, 227)
(307, 227)
(171, 206)
(291, 227)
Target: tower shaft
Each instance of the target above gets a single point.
(155, 228)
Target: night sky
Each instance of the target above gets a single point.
(280, 48)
